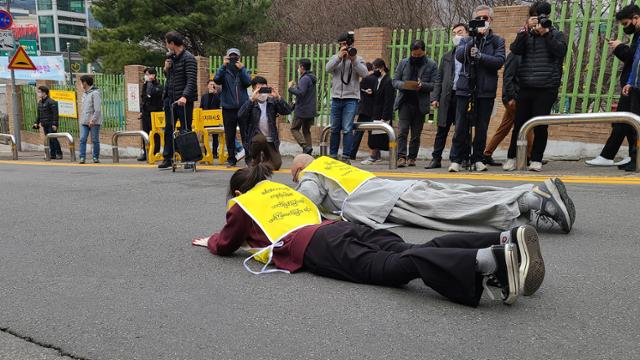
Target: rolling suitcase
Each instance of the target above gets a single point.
(186, 144)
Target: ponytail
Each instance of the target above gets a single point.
(245, 179)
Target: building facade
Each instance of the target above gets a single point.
(63, 22)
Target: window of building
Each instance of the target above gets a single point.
(72, 19)
(76, 6)
(46, 24)
(47, 44)
(66, 29)
(45, 5)
(76, 44)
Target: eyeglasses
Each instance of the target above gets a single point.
(485, 18)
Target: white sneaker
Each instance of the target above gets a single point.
(624, 161)
(510, 165)
(480, 166)
(535, 166)
(240, 155)
(600, 161)
(454, 167)
(369, 161)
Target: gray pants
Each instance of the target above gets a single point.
(410, 119)
(460, 207)
(301, 131)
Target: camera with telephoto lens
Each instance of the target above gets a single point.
(544, 21)
(350, 40)
(474, 25)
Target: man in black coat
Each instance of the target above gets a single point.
(151, 102)
(365, 106)
(306, 103)
(383, 98)
(211, 101)
(48, 118)
(542, 49)
(629, 18)
(180, 91)
(444, 97)
(259, 113)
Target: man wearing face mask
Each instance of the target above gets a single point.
(444, 97)
(48, 119)
(259, 113)
(180, 91)
(415, 78)
(305, 112)
(629, 18)
(234, 79)
(151, 102)
(481, 55)
(542, 49)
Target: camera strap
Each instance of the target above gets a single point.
(344, 64)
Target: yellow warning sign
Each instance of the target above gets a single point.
(21, 61)
(66, 102)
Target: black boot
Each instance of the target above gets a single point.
(434, 164)
(142, 156)
(631, 166)
(165, 164)
(488, 160)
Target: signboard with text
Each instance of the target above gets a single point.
(67, 105)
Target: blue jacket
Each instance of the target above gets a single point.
(491, 60)
(234, 86)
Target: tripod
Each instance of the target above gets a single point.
(472, 112)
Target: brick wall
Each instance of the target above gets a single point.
(272, 64)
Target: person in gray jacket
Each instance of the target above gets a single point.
(346, 68)
(481, 55)
(415, 78)
(443, 96)
(305, 108)
(90, 118)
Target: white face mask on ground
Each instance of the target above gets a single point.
(457, 39)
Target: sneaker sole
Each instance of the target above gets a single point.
(511, 259)
(567, 200)
(555, 193)
(532, 268)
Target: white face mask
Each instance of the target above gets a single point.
(146, 78)
(487, 26)
(457, 39)
(263, 97)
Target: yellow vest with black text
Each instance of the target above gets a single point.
(350, 178)
(278, 210)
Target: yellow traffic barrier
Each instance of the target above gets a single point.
(157, 128)
(203, 119)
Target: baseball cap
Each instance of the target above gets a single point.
(233, 51)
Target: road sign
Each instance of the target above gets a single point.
(6, 40)
(21, 61)
(30, 46)
(6, 20)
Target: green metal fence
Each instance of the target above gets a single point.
(113, 104)
(250, 62)
(319, 55)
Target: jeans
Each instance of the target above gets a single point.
(532, 103)
(410, 119)
(460, 150)
(301, 131)
(54, 144)
(443, 131)
(342, 113)
(174, 113)
(95, 140)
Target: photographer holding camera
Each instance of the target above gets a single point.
(542, 49)
(234, 79)
(347, 69)
(482, 55)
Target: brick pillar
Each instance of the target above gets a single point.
(272, 64)
(204, 73)
(133, 74)
(373, 42)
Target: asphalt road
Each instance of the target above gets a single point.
(97, 263)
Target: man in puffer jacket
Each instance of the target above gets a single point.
(48, 119)
(542, 49)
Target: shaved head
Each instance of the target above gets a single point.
(299, 163)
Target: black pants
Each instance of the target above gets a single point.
(357, 253)
(174, 113)
(357, 139)
(443, 131)
(532, 103)
(145, 121)
(620, 131)
(410, 119)
(231, 122)
(54, 144)
(461, 145)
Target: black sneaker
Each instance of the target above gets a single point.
(231, 164)
(506, 277)
(96, 160)
(142, 157)
(566, 199)
(531, 265)
(551, 199)
(308, 150)
(165, 164)
(488, 160)
(346, 160)
(434, 164)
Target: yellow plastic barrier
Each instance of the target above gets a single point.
(203, 119)
(157, 127)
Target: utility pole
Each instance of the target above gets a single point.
(14, 95)
(69, 60)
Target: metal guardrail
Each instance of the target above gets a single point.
(591, 118)
(12, 141)
(66, 135)
(365, 126)
(118, 134)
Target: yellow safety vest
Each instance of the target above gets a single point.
(278, 210)
(348, 177)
